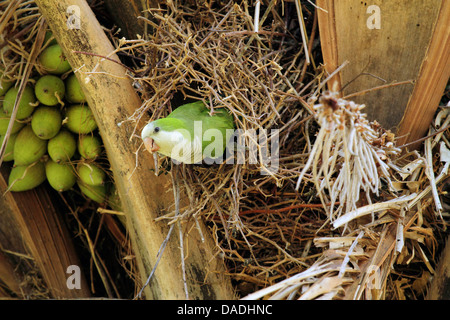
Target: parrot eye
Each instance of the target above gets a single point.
(157, 129)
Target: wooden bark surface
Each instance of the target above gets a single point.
(393, 51)
(126, 13)
(433, 77)
(29, 217)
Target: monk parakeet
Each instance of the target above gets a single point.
(189, 134)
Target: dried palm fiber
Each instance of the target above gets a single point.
(337, 228)
(391, 256)
(233, 69)
(207, 54)
(351, 147)
(19, 25)
(268, 233)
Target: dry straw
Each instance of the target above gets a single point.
(344, 204)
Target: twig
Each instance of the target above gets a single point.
(301, 23)
(349, 252)
(105, 58)
(384, 86)
(297, 206)
(158, 256)
(176, 195)
(424, 138)
(395, 203)
(430, 174)
(27, 72)
(256, 19)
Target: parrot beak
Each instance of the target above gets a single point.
(150, 145)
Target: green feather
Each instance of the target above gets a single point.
(170, 124)
(197, 111)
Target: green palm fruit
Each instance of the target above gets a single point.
(89, 146)
(96, 193)
(26, 105)
(62, 147)
(4, 122)
(49, 90)
(9, 150)
(91, 174)
(53, 61)
(46, 122)
(49, 37)
(74, 94)
(5, 84)
(26, 177)
(60, 176)
(80, 119)
(28, 148)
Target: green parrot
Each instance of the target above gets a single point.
(190, 134)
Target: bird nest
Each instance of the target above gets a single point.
(320, 203)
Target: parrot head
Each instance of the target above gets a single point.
(159, 135)
(166, 135)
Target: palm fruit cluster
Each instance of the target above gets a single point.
(54, 135)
